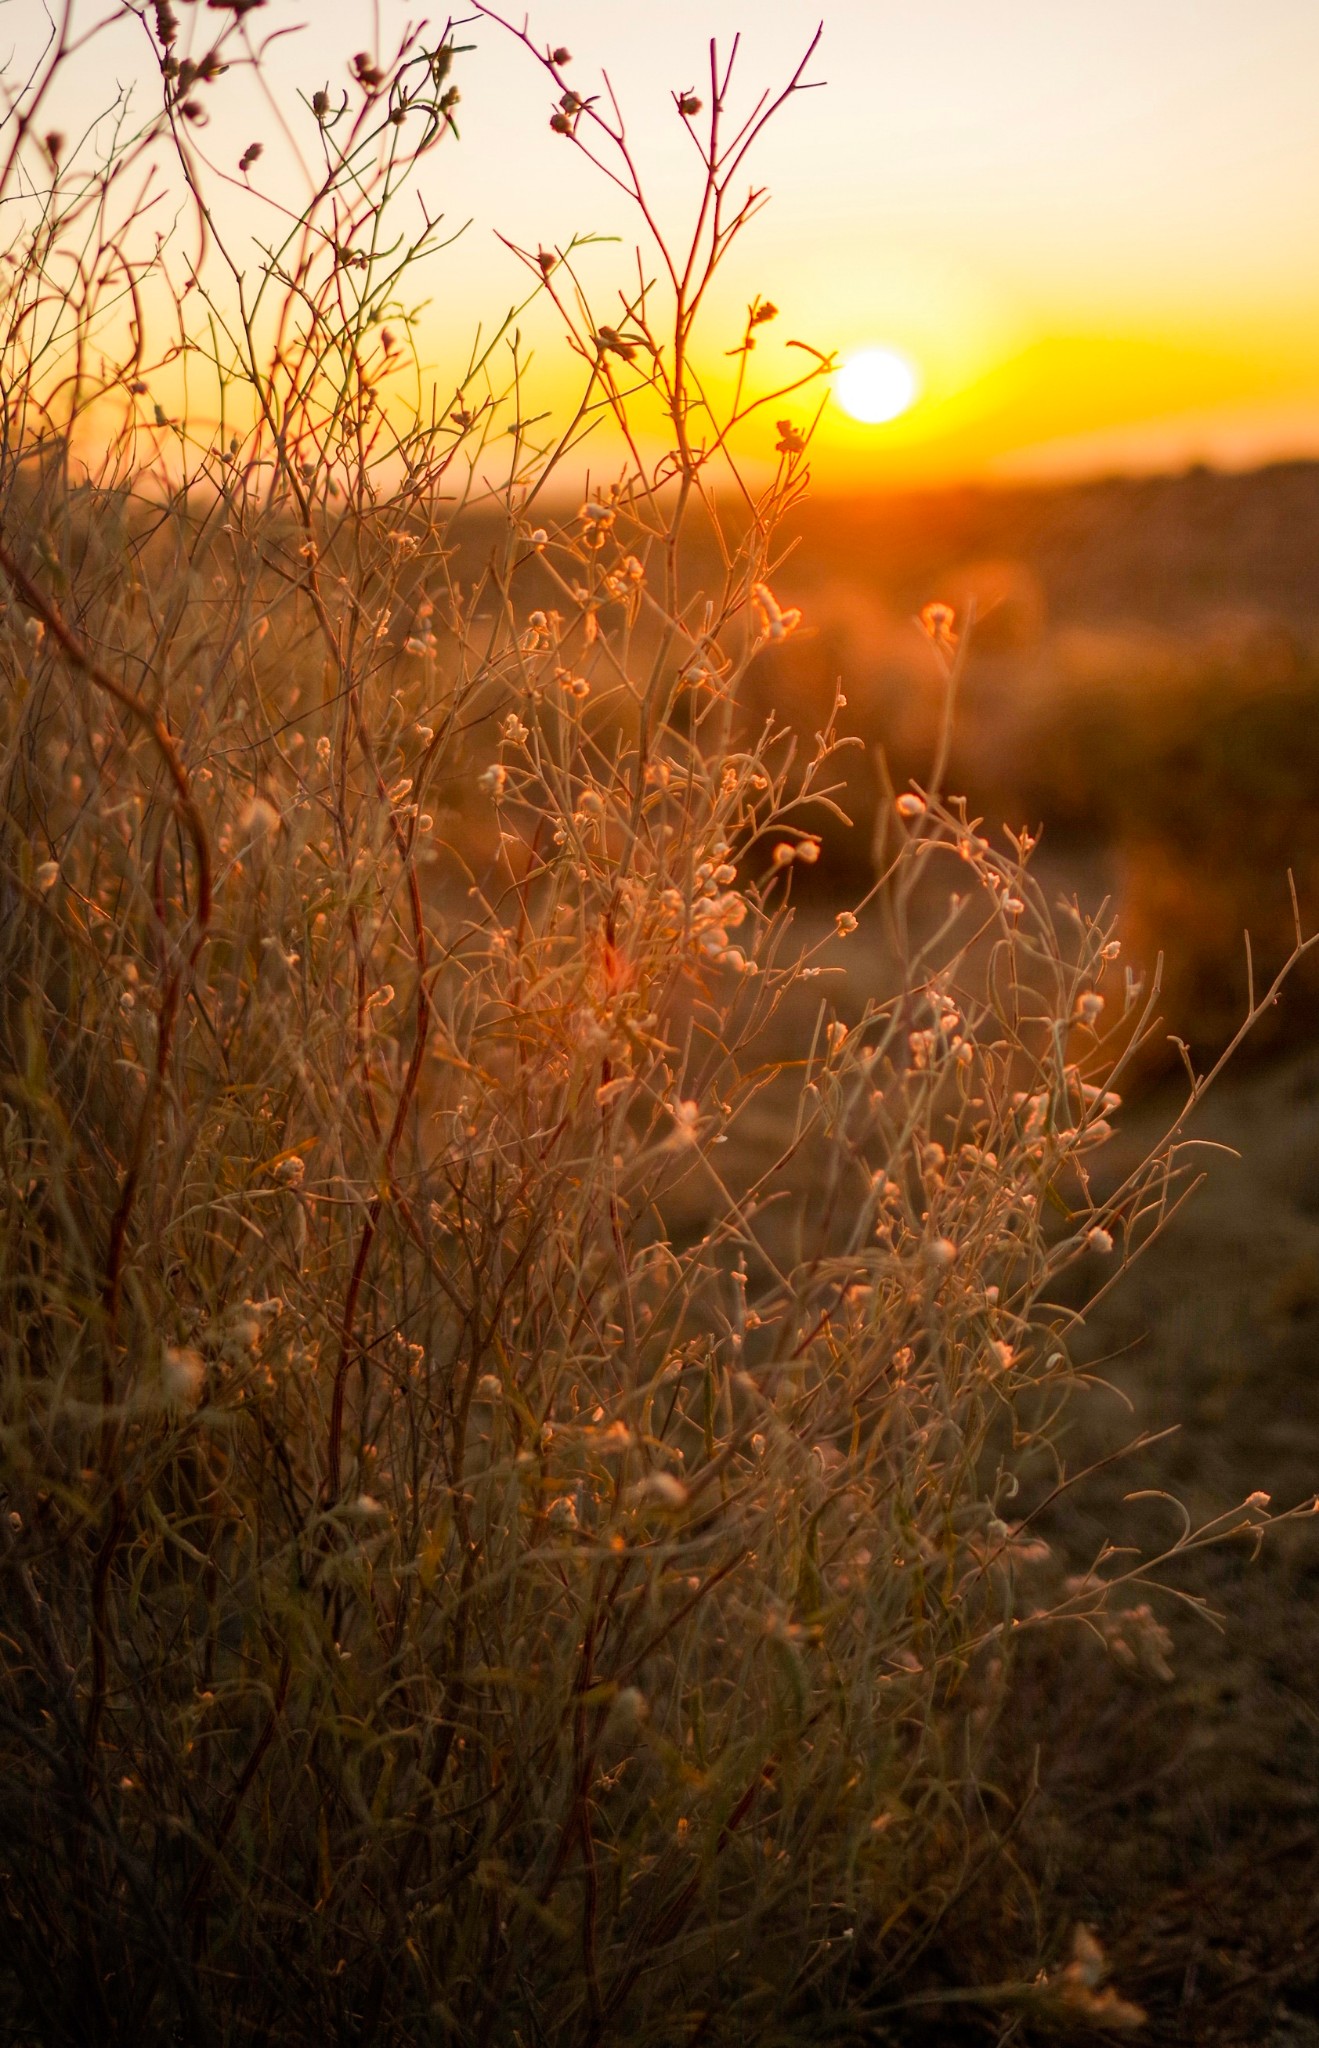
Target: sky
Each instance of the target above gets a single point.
(1093, 231)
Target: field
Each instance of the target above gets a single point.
(574, 1172)
(1143, 685)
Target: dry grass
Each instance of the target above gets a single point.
(488, 1554)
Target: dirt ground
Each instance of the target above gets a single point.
(1181, 1820)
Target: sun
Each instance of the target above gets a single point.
(875, 385)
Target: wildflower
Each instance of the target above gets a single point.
(909, 805)
(775, 623)
(610, 342)
(539, 538)
(844, 924)
(560, 123)
(494, 781)
(808, 851)
(784, 852)
(260, 820)
(488, 1388)
(182, 1374)
(560, 56)
(791, 441)
(1080, 1991)
(47, 875)
(290, 1171)
(513, 730)
(562, 1513)
(1089, 1008)
(1138, 1641)
(598, 520)
(250, 156)
(941, 1252)
(689, 106)
(547, 260)
(1099, 1240)
(323, 751)
(366, 1508)
(662, 1488)
(938, 620)
(686, 1117)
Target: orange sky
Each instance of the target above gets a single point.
(1094, 230)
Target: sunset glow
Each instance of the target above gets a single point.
(1076, 231)
(876, 385)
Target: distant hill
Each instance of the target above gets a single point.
(1162, 549)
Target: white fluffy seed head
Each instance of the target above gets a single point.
(182, 1376)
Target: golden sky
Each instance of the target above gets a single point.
(1092, 229)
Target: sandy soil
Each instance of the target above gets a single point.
(1182, 1820)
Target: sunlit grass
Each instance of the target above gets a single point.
(490, 1553)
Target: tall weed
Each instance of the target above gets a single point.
(510, 1407)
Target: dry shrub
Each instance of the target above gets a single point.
(445, 1599)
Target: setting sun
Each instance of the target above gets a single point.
(876, 385)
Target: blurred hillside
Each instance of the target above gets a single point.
(1142, 684)
(1164, 550)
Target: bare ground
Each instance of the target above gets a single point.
(1182, 1819)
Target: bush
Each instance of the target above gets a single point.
(489, 1554)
